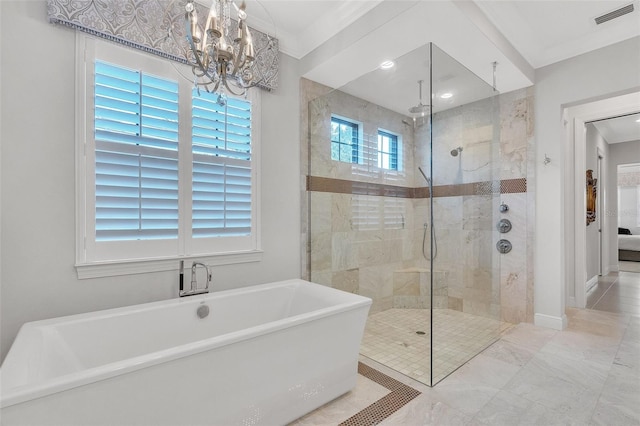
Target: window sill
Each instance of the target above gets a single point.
(142, 266)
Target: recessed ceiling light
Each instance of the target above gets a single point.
(387, 65)
(446, 95)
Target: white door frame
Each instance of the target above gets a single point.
(575, 200)
(600, 209)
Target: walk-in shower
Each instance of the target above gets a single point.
(403, 196)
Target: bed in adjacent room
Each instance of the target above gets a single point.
(628, 246)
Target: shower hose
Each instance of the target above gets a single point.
(435, 242)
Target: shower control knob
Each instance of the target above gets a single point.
(504, 208)
(504, 246)
(504, 226)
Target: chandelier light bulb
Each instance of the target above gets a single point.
(213, 30)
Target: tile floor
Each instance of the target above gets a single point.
(401, 339)
(616, 292)
(588, 374)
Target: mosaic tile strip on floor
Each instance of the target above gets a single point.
(400, 339)
(399, 396)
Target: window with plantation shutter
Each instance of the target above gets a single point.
(345, 140)
(387, 150)
(136, 155)
(165, 172)
(221, 146)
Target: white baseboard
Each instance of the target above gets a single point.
(548, 321)
(591, 283)
(571, 301)
(614, 268)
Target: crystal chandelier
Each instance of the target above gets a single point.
(220, 56)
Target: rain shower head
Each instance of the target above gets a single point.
(455, 152)
(421, 109)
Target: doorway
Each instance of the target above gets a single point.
(576, 119)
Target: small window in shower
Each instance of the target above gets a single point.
(344, 140)
(387, 150)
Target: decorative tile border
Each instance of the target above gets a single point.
(342, 186)
(512, 186)
(399, 396)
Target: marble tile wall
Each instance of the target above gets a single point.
(373, 245)
(372, 117)
(488, 284)
(517, 160)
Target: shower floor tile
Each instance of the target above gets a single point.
(400, 339)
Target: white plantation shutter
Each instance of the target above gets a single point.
(162, 173)
(136, 155)
(221, 147)
(372, 213)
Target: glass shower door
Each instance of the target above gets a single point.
(465, 268)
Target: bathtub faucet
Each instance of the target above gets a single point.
(194, 281)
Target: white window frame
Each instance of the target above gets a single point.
(117, 258)
(361, 144)
(399, 149)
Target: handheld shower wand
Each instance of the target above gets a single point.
(426, 225)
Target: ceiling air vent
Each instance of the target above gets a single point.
(614, 14)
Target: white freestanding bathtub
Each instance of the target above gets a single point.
(265, 355)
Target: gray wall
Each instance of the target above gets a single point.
(38, 278)
(590, 76)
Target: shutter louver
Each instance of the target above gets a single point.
(221, 146)
(136, 154)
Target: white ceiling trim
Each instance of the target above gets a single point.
(440, 22)
(338, 16)
(583, 45)
(488, 28)
(332, 23)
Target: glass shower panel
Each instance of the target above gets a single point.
(465, 172)
(367, 232)
(403, 191)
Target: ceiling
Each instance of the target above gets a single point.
(620, 129)
(341, 43)
(543, 32)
